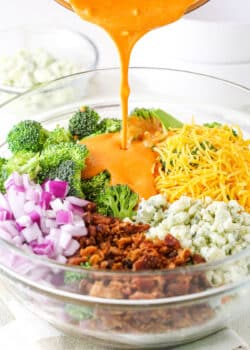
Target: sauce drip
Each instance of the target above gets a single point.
(133, 167)
(126, 22)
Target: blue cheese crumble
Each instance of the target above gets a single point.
(28, 68)
(210, 228)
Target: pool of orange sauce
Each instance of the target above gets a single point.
(126, 21)
(132, 167)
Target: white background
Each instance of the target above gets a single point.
(212, 40)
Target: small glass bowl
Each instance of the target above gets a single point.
(62, 43)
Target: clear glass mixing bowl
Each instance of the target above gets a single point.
(89, 303)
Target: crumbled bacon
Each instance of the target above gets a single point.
(117, 245)
(113, 244)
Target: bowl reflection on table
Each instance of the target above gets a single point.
(179, 314)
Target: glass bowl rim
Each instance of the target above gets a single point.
(48, 29)
(109, 69)
(54, 264)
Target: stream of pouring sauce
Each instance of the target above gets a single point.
(126, 21)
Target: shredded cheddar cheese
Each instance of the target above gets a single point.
(198, 161)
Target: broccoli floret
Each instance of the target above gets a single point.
(72, 277)
(167, 120)
(28, 135)
(142, 112)
(86, 265)
(93, 186)
(235, 132)
(109, 125)
(58, 135)
(53, 155)
(212, 125)
(3, 161)
(64, 161)
(84, 123)
(79, 313)
(117, 201)
(23, 163)
(67, 171)
(218, 125)
(70, 172)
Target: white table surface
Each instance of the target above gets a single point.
(23, 12)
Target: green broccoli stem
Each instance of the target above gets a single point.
(167, 120)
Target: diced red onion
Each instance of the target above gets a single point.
(77, 201)
(50, 223)
(54, 236)
(65, 240)
(46, 197)
(57, 188)
(19, 227)
(56, 204)
(15, 181)
(9, 183)
(4, 203)
(21, 265)
(39, 273)
(64, 217)
(27, 248)
(33, 195)
(43, 226)
(24, 221)
(18, 179)
(50, 214)
(32, 233)
(26, 182)
(45, 248)
(74, 245)
(29, 207)
(41, 219)
(35, 216)
(61, 259)
(78, 221)
(5, 235)
(16, 202)
(75, 231)
(18, 240)
(57, 279)
(67, 206)
(77, 210)
(5, 215)
(10, 227)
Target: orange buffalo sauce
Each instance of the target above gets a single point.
(132, 167)
(127, 21)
